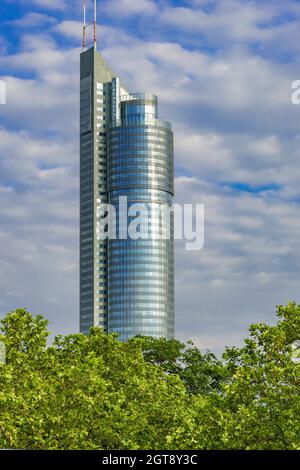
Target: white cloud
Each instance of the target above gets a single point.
(50, 4)
(36, 162)
(33, 20)
(233, 86)
(247, 266)
(273, 25)
(129, 7)
(232, 19)
(234, 123)
(69, 28)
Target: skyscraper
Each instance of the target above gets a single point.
(126, 154)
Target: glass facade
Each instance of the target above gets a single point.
(126, 284)
(95, 115)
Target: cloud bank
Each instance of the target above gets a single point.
(223, 72)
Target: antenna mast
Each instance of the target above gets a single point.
(84, 25)
(95, 24)
(89, 38)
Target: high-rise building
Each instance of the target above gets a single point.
(126, 154)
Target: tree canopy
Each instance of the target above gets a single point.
(95, 392)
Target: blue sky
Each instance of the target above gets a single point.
(223, 71)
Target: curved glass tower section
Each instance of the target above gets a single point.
(141, 268)
(126, 158)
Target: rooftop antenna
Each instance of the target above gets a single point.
(90, 29)
(84, 26)
(95, 24)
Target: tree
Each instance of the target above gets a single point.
(200, 372)
(95, 392)
(263, 397)
(83, 392)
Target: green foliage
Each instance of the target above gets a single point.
(264, 395)
(201, 373)
(94, 392)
